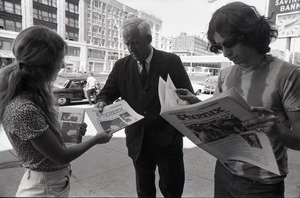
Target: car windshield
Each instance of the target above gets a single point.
(62, 84)
(65, 83)
(212, 80)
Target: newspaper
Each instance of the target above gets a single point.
(114, 117)
(70, 119)
(215, 126)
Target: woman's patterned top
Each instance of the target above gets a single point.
(24, 121)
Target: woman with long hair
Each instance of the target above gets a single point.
(29, 116)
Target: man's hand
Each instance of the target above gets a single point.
(100, 106)
(185, 94)
(266, 122)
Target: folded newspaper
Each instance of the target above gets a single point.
(70, 118)
(215, 126)
(114, 117)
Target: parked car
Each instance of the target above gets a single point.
(210, 84)
(198, 88)
(70, 90)
(209, 89)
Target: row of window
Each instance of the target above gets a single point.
(96, 41)
(10, 25)
(72, 22)
(73, 51)
(93, 53)
(98, 4)
(68, 6)
(5, 45)
(71, 7)
(10, 7)
(72, 36)
(44, 15)
(96, 67)
(52, 3)
(52, 17)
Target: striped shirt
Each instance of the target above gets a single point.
(275, 85)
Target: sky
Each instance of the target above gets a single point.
(193, 16)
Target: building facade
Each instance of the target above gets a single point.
(92, 29)
(189, 45)
(186, 45)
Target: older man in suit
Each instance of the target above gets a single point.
(151, 142)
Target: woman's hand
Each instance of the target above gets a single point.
(186, 95)
(103, 138)
(82, 129)
(266, 122)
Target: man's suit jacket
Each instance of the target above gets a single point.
(125, 81)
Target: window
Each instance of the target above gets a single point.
(54, 18)
(96, 3)
(1, 24)
(95, 54)
(54, 3)
(75, 84)
(10, 25)
(18, 26)
(73, 51)
(18, 9)
(35, 13)
(9, 7)
(45, 2)
(45, 16)
(71, 22)
(95, 16)
(76, 9)
(71, 8)
(76, 23)
(5, 45)
(72, 36)
(66, 7)
(1, 6)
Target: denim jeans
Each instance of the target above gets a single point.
(45, 184)
(228, 185)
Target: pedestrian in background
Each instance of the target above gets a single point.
(29, 117)
(151, 142)
(268, 84)
(91, 86)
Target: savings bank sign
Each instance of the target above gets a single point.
(282, 6)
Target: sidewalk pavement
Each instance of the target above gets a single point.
(107, 171)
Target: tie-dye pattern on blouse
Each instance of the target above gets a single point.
(275, 85)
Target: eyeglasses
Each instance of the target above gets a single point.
(229, 42)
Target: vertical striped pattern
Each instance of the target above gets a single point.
(275, 85)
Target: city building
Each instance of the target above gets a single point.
(92, 29)
(186, 45)
(166, 44)
(189, 45)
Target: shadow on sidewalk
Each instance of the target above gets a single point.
(107, 171)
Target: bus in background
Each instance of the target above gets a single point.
(204, 65)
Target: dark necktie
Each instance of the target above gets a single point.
(144, 72)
